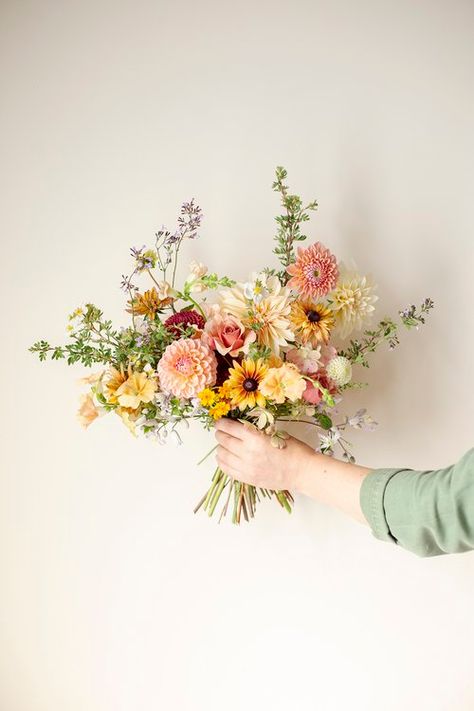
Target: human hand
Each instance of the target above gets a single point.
(247, 454)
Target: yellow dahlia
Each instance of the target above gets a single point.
(268, 316)
(284, 383)
(352, 302)
(312, 322)
(244, 383)
(136, 389)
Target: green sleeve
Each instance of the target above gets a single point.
(426, 512)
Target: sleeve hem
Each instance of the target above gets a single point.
(372, 495)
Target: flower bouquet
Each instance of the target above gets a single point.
(273, 349)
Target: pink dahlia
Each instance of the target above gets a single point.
(187, 367)
(178, 322)
(315, 272)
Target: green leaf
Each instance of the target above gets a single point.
(324, 420)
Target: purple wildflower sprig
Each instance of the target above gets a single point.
(167, 243)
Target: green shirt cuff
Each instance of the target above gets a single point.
(372, 495)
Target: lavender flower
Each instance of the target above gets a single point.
(126, 283)
(190, 219)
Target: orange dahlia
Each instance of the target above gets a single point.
(244, 383)
(148, 304)
(315, 272)
(312, 322)
(186, 368)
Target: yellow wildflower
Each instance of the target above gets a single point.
(224, 391)
(219, 410)
(207, 397)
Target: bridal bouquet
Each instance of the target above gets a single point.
(273, 349)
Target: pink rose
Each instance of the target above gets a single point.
(227, 335)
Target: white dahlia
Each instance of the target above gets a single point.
(268, 315)
(352, 302)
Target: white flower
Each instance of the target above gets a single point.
(328, 441)
(362, 421)
(256, 289)
(262, 417)
(339, 370)
(196, 271)
(352, 301)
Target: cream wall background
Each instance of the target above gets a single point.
(113, 596)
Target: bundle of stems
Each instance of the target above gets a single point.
(244, 497)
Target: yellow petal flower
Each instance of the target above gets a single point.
(136, 389)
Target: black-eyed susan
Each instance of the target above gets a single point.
(244, 383)
(312, 322)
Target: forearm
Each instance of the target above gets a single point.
(332, 482)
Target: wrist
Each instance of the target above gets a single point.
(305, 464)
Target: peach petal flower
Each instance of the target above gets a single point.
(315, 272)
(87, 412)
(187, 367)
(284, 383)
(227, 335)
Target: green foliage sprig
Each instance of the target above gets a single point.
(386, 332)
(289, 223)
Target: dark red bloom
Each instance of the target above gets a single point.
(223, 366)
(179, 322)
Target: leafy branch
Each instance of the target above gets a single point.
(289, 223)
(386, 332)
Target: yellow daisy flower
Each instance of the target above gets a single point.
(312, 322)
(244, 383)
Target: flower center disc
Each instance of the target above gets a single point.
(313, 316)
(250, 385)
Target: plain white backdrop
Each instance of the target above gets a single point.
(113, 596)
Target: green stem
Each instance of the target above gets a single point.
(217, 493)
(208, 454)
